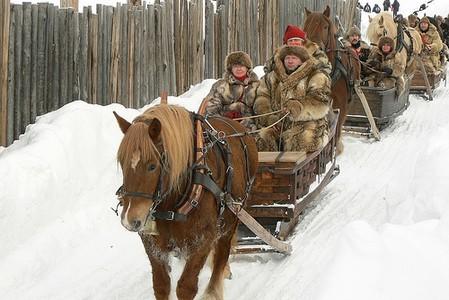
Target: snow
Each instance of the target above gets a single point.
(380, 230)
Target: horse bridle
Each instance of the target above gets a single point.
(157, 197)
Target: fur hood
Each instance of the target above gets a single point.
(353, 30)
(386, 40)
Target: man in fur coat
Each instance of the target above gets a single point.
(295, 36)
(382, 59)
(233, 95)
(352, 40)
(298, 86)
(432, 44)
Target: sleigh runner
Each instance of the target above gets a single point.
(286, 182)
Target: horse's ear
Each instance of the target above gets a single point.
(327, 11)
(155, 129)
(369, 18)
(124, 125)
(308, 12)
(381, 20)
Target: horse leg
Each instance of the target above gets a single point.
(221, 266)
(188, 282)
(159, 266)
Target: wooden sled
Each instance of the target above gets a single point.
(419, 86)
(385, 105)
(286, 183)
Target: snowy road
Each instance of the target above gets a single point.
(380, 230)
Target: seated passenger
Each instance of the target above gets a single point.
(432, 45)
(382, 60)
(233, 95)
(353, 40)
(295, 36)
(298, 86)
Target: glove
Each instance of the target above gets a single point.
(232, 114)
(294, 108)
(388, 71)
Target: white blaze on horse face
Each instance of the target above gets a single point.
(135, 159)
(125, 221)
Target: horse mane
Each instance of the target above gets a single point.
(176, 137)
(389, 25)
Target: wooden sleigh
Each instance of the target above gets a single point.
(286, 183)
(425, 82)
(385, 105)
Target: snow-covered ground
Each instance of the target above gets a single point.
(380, 230)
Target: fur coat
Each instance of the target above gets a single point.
(313, 49)
(233, 98)
(305, 93)
(380, 61)
(432, 46)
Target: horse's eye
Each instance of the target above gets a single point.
(151, 167)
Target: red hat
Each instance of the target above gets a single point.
(293, 31)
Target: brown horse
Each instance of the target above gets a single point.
(157, 156)
(345, 63)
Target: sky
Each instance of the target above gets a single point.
(380, 230)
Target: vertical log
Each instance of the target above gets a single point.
(151, 54)
(84, 39)
(50, 52)
(113, 86)
(4, 49)
(26, 69)
(18, 17)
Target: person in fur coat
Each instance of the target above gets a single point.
(382, 60)
(432, 45)
(295, 36)
(233, 95)
(298, 86)
(352, 39)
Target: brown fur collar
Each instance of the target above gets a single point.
(305, 69)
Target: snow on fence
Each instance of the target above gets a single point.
(129, 54)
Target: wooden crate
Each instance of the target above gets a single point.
(418, 84)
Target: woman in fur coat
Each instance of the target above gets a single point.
(233, 95)
(299, 86)
(432, 44)
(382, 59)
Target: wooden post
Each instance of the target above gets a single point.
(69, 3)
(4, 46)
(424, 74)
(367, 109)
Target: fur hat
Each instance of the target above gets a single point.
(238, 57)
(353, 30)
(424, 20)
(300, 52)
(293, 31)
(386, 40)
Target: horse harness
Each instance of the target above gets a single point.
(200, 175)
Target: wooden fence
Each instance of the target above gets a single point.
(127, 54)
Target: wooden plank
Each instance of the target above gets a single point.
(151, 54)
(94, 58)
(101, 66)
(4, 51)
(137, 57)
(115, 47)
(278, 212)
(109, 11)
(11, 79)
(75, 57)
(26, 73)
(63, 59)
(84, 44)
(130, 88)
(123, 67)
(171, 68)
(70, 52)
(18, 16)
(34, 77)
(54, 74)
(51, 58)
(272, 157)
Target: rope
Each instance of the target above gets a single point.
(257, 116)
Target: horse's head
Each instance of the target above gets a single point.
(381, 25)
(319, 28)
(146, 155)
